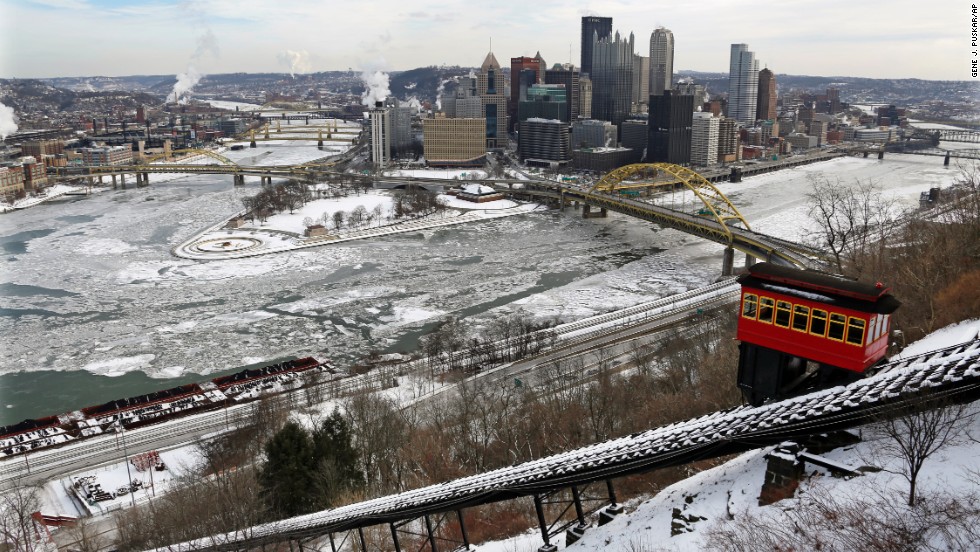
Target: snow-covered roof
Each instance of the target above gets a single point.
(478, 190)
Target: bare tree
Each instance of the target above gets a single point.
(847, 217)
(86, 536)
(916, 435)
(338, 219)
(17, 527)
(871, 521)
(357, 216)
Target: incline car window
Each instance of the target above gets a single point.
(765, 310)
(800, 316)
(782, 313)
(818, 324)
(749, 305)
(836, 328)
(855, 331)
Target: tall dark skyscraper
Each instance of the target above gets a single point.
(567, 75)
(671, 118)
(766, 105)
(612, 78)
(592, 25)
(661, 61)
(517, 66)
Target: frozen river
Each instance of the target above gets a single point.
(95, 307)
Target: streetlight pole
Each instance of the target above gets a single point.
(122, 432)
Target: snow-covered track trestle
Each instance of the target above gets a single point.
(951, 374)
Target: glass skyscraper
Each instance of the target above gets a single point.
(743, 84)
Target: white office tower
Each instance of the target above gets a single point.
(380, 135)
(704, 139)
(743, 84)
(661, 61)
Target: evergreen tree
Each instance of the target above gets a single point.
(287, 477)
(337, 462)
(305, 473)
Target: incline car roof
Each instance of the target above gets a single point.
(815, 281)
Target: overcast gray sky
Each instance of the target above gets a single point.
(876, 38)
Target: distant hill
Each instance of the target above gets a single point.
(423, 83)
(857, 89)
(32, 95)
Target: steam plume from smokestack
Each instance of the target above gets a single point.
(206, 44)
(296, 61)
(185, 82)
(8, 121)
(375, 87)
(439, 91)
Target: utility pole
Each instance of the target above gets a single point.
(120, 430)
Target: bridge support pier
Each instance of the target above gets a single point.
(462, 530)
(587, 212)
(146, 179)
(881, 155)
(865, 155)
(736, 175)
(574, 533)
(728, 262)
(238, 179)
(266, 180)
(360, 533)
(614, 509)
(122, 180)
(539, 509)
(749, 260)
(946, 160)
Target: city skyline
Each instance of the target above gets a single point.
(51, 38)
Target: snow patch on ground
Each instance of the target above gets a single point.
(946, 337)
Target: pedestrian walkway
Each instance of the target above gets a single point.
(217, 242)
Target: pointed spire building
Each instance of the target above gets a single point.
(490, 87)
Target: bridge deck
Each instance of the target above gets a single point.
(753, 243)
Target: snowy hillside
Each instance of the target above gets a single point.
(718, 509)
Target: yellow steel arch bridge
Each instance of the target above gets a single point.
(718, 220)
(666, 175)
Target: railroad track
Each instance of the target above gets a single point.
(92, 451)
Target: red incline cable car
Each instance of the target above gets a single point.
(801, 328)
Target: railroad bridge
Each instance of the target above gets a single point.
(959, 135)
(221, 165)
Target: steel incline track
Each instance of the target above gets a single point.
(951, 374)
